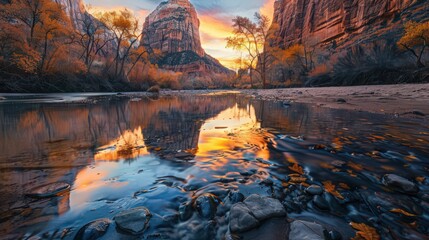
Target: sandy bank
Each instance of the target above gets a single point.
(411, 100)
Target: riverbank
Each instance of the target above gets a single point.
(411, 100)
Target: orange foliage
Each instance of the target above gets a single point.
(365, 232)
(331, 188)
(296, 168)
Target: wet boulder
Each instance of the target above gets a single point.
(400, 184)
(134, 221)
(241, 220)
(314, 190)
(185, 211)
(264, 207)
(234, 197)
(93, 230)
(206, 205)
(303, 230)
(49, 190)
(253, 211)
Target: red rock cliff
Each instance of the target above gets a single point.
(343, 22)
(173, 29)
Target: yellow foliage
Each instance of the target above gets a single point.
(416, 34)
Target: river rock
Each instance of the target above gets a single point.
(185, 211)
(206, 205)
(303, 230)
(50, 190)
(134, 221)
(400, 184)
(264, 207)
(321, 202)
(314, 190)
(93, 230)
(234, 197)
(240, 219)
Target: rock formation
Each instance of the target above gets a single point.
(173, 30)
(75, 9)
(343, 23)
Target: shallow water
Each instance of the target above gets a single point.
(160, 153)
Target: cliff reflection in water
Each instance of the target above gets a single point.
(109, 151)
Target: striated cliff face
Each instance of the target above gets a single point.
(75, 9)
(173, 29)
(343, 23)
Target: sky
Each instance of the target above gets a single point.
(215, 17)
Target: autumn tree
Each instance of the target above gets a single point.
(295, 61)
(126, 33)
(416, 40)
(93, 39)
(251, 37)
(37, 26)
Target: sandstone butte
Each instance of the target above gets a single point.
(173, 29)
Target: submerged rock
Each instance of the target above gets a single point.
(400, 184)
(50, 190)
(93, 230)
(264, 207)
(134, 221)
(302, 230)
(206, 205)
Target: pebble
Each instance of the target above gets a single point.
(206, 205)
(400, 184)
(314, 190)
(134, 221)
(93, 230)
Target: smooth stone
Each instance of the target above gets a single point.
(264, 207)
(334, 235)
(240, 219)
(206, 205)
(50, 190)
(235, 197)
(93, 230)
(185, 211)
(303, 230)
(314, 190)
(321, 202)
(400, 184)
(134, 221)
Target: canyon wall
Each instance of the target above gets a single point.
(343, 23)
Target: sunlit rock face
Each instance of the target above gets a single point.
(342, 23)
(173, 29)
(75, 10)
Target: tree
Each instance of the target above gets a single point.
(93, 38)
(126, 33)
(251, 38)
(416, 40)
(37, 25)
(295, 60)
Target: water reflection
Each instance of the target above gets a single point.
(164, 152)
